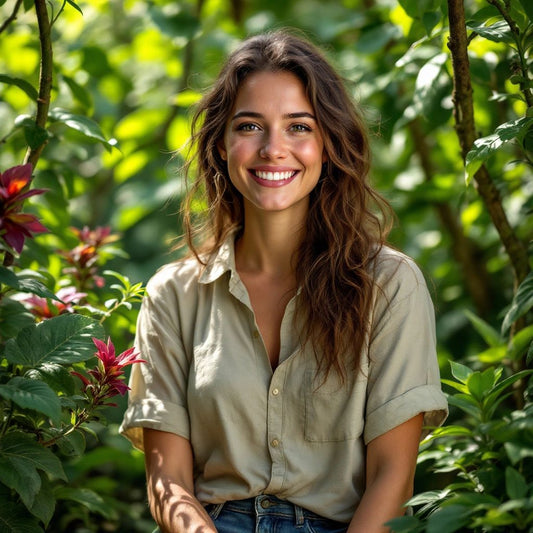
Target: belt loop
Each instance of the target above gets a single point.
(299, 515)
(213, 513)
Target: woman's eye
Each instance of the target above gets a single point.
(247, 127)
(300, 128)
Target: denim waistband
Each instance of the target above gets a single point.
(266, 504)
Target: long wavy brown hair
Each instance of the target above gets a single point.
(347, 222)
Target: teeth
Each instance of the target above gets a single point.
(274, 176)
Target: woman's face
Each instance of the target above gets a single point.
(272, 144)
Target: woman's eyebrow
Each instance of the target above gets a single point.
(253, 114)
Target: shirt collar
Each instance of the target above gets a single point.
(222, 261)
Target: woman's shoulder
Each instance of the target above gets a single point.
(396, 273)
(180, 275)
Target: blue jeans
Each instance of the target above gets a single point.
(268, 514)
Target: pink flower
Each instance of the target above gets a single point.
(46, 308)
(14, 225)
(107, 379)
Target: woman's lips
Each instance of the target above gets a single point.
(273, 178)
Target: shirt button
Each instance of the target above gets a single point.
(256, 334)
(275, 392)
(275, 443)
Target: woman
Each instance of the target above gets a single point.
(291, 360)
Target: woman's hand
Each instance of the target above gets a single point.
(390, 469)
(169, 467)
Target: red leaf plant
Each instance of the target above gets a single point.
(107, 379)
(44, 308)
(14, 225)
(85, 256)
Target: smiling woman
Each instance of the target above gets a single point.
(292, 355)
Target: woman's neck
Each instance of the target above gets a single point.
(268, 245)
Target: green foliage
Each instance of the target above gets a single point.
(124, 75)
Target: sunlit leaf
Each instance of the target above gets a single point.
(83, 125)
(484, 147)
(62, 339)
(21, 83)
(522, 303)
(32, 394)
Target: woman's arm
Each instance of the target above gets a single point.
(169, 475)
(390, 469)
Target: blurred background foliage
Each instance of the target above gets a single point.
(125, 75)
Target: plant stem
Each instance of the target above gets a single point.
(11, 17)
(45, 77)
(466, 132)
(515, 30)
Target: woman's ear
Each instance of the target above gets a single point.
(222, 149)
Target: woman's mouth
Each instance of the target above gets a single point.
(274, 176)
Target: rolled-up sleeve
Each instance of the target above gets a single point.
(403, 373)
(158, 395)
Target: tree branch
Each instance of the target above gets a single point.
(45, 77)
(464, 250)
(466, 132)
(11, 17)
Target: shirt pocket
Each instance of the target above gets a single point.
(334, 412)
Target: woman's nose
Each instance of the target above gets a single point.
(273, 147)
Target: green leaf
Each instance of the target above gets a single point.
(515, 484)
(32, 394)
(520, 343)
(484, 147)
(522, 303)
(480, 383)
(448, 519)
(20, 460)
(405, 524)
(528, 8)
(13, 317)
(517, 452)
(62, 339)
(83, 125)
(74, 5)
(494, 396)
(24, 283)
(489, 334)
(14, 518)
(460, 372)
(56, 376)
(86, 497)
(499, 32)
(466, 404)
(27, 87)
(80, 93)
(44, 503)
(72, 444)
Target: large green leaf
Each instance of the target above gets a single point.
(62, 339)
(56, 376)
(13, 317)
(83, 125)
(21, 458)
(14, 518)
(32, 394)
(490, 335)
(522, 303)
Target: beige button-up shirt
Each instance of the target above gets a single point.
(258, 431)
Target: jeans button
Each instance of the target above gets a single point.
(265, 504)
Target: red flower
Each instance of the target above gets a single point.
(14, 225)
(107, 379)
(46, 308)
